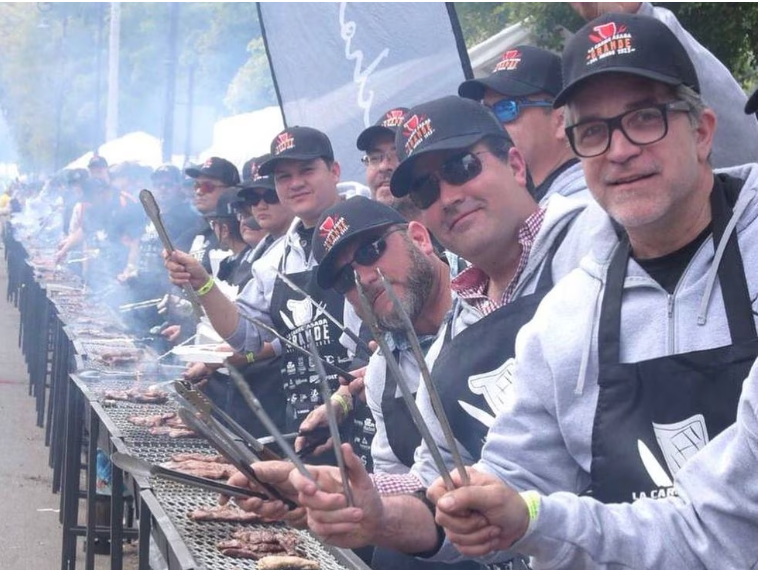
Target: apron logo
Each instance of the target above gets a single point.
(493, 386)
(681, 440)
(302, 313)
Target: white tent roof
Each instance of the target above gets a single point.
(135, 147)
(244, 136)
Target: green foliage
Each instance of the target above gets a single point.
(480, 20)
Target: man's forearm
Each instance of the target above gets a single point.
(221, 311)
(407, 525)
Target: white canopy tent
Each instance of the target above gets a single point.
(134, 147)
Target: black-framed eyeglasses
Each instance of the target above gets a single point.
(640, 127)
(457, 170)
(368, 253)
(377, 158)
(507, 110)
(269, 196)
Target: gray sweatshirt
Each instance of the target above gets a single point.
(543, 438)
(711, 524)
(736, 140)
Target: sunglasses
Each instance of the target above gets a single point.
(367, 254)
(507, 110)
(206, 187)
(269, 196)
(425, 190)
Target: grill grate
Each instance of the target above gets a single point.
(179, 500)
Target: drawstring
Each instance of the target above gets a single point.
(712, 274)
(590, 327)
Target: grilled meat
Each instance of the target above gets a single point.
(225, 513)
(256, 544)
(286, 563)
(209, 470)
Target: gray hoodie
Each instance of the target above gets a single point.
(543, 438)
(711, 524)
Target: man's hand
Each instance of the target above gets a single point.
(482, 517)
(356, 387)
(183, 269)
(314, 420)
(172, 332)
(275, 473)
(328, 513)
(591, 10)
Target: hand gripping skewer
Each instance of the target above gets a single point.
(392, 366)
(154, 213)
(334, 430)
(426, 376)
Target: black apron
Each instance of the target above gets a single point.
(691, 396)
(402, 434)
(477, 365)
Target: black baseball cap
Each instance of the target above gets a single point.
(252, 179)
(625, 43)
(167, 172)
(225, 207)
(448, 123)
(388, 124)
(345, 221)
(217, 168)
(521, 71)
(752, 104)
(297, 143)
(97, 161)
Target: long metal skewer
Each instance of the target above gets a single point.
(260, 324)
(154, 213)
(321, 307)
(434, 395)
(267, 422)
(418, 419)
(334, 430)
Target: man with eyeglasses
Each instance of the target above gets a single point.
(635, 360)
(306, 175)
(520, 91)
(460, 168)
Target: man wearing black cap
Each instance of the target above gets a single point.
(461, 169)
(212, 178)
(235, 269)
(306, 175)
(636, 360)
(520, 91)
(380, 160)
(98, 168)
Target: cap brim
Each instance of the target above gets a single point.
(752, 104)
(325, 274)
(192, 172)
(268, 167)
(401, 178)
(368, 135)
(245, 189)
(569, 90)
(475, 88)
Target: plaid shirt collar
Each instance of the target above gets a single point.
(472, 284)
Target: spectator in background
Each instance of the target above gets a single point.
(98, 168)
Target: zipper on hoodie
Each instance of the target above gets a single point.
(672, 322)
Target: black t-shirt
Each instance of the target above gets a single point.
(668, 269)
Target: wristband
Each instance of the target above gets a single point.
(532, 500)
(343, 403)
(207, 287)
(250, 357)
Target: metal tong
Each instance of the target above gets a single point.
(142, 468)
(268, 423)
(426, 376)
(334, 430)
(154, 213)
(237, 454)
(139, 305)
(394, 369)
(322, 309)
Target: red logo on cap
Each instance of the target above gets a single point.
(284, 141)
(609, 40)
(330, 231)
(416, 130)
(508, 61)
(208, 163)
(393, 118)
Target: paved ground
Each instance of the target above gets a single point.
(30, 534)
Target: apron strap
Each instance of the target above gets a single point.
(609, 328)
(545, 282)
(731, 273)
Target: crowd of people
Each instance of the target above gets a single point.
(570, 240)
